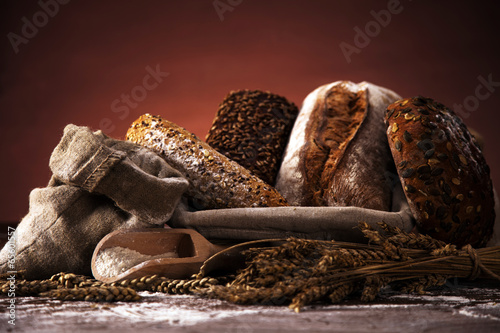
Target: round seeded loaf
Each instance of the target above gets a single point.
(215, 180)
(443, 171)
(252, 127)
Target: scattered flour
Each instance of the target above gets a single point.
(471, 312)
(116, 260)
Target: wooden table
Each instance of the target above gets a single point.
(457, 307)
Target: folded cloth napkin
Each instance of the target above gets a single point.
(99, 185)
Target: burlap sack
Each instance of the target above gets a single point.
(247, 224)
(99, 184)
(325, 223)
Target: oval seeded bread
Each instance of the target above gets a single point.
(252, 128)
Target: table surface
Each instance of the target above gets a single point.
(459, 306)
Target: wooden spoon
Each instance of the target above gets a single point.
(191, 248)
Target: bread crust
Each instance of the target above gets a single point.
(337, 154)
(252, 128)
(443, 171)
(215, 181)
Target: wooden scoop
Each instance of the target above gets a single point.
(191, 249)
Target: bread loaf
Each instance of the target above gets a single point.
(215, 180)
(252, 128)
(443, 171)
(337, 154)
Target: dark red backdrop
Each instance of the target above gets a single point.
(82, 58)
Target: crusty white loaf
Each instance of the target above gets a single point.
(338, 154)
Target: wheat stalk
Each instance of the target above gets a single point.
(301, 272)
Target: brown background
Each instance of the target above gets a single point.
(91, 52)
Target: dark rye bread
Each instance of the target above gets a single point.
(337, 154)
(215, 180)
(443, 171)
(252, 128)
